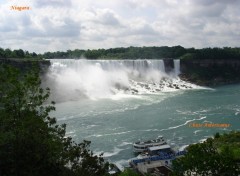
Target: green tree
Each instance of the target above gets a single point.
(129, 172)
(217, 135)
(205, 159)
(8, 53)
(19, 53)
(31, 142)
(2, 53)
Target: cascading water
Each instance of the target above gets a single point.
(176, 66)
(71, 79)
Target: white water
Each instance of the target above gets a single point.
(76, 79)
(176, 66)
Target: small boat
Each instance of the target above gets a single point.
(142, 146)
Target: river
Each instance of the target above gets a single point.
(113, 123)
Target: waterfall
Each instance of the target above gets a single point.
(176, 66)
(74, 79)
(139, 65)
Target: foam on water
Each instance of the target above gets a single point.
(109, 154)
(170, 128)
(197, 131)
(110, 134)
(115, 79)
(174, 127)
(125, 144)
(204, 139)
(183, 147)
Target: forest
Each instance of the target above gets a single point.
(131, 52)
(18, 53)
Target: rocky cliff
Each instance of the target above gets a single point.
(211, 72)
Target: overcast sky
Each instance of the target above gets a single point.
(53, 25)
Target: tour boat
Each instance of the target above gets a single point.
(142, 146)
(156, 158)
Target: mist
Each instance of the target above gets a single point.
(72, 80)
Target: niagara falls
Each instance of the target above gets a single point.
(75, 79)
(119, 88)
(116, 102)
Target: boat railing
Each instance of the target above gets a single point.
(153, 158)
(163, 156)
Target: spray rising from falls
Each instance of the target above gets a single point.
(74, 79)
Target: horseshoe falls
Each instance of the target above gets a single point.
(114, 103)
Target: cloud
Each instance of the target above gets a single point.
(68, 28)
(107, 17)
(139, 27)
(52, 3)
(60, 25)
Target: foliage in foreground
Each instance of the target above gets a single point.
(128, 172)
(31, 142)
(212, 157)
(230, 142)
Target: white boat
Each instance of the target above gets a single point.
(156, 157)
(142, 146)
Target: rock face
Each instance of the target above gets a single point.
(169, 65)
(206, 63)
(210, 72)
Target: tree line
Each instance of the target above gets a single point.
(17, 53)
(148, 53)
(131, 52)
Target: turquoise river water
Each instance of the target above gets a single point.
(113, 124)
